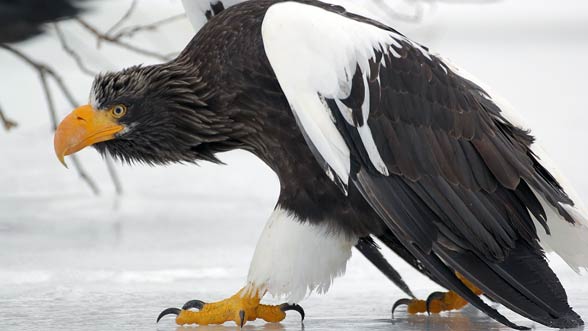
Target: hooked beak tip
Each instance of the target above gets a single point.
(62, 160)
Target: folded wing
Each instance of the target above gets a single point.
(431, 151)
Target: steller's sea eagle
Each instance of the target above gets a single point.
(369, 134)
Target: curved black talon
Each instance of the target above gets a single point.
(435, 295)
(198, 304)
(399, 303)
(286, 307)
(169, 311)
(242, 317)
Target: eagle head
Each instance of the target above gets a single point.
(148, 114)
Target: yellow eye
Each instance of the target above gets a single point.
(118, 111)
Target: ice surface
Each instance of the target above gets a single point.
(102, 270)
(73, 261)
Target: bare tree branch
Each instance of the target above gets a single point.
(44, 71)
(49, 98)
(116, 38)
(66, 92)
(6, 122)
(131, 30)
(126, 16)
(73, 54)
(113, 174)
(101, 36)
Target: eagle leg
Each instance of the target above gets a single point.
(437, 301)
(242, 307)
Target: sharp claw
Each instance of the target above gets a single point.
(400, 303)
(198, 304)
(169, 311)
(433, 296)
(286, 307)
(242, 317)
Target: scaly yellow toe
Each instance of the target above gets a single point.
(439, 301)
(242, 307)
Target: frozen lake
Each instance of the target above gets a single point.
(102, 270)
(73, 261)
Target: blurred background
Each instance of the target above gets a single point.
(71, 258)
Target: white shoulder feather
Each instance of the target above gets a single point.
(313, 63)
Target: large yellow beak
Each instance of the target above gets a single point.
(83, 127)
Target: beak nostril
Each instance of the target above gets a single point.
(81, 119)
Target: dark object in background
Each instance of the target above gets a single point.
(23, 19)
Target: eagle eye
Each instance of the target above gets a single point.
(118, 111)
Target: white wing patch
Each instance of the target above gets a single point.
(312, 62)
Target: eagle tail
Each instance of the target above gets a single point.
(523, 282)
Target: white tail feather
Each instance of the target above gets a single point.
(569, 241)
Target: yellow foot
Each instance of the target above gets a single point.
(437, 301)
(240, 308)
